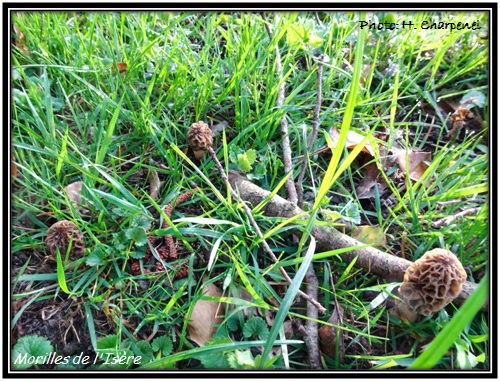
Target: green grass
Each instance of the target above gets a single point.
(75, 118)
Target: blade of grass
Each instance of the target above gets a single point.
(331, 172)
(287, 301)
(248, 286)
(49, 112)
(90, 324)
(106, 141)
(172, 359)
(61, 277)
(25, 305)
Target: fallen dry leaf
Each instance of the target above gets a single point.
(205, 316)
(74, 192)
(460, 114)
(154, 184)
(352, 141)
(13, 168)
(20, 38)
(444, 107)
(121, 67)
(329, 336)
(417, 162)
(365, 188)
(464, 118)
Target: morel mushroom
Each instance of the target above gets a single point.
(199, 138)
(60, 234)
(430, 284)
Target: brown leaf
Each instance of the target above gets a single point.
(330, 338)
(365, 187)
(13, 168)
(20, 38)
(205, 316)
(121, 67)
(288, 329)
(154, 184)
(371, 171)
(444, 107)
(417, 163)
(448, 105)
(74, 192)
(464, 118)
(352, 141)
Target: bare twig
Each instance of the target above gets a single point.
(311, 328)
(285, 144)
(462, 200)
(314, 133)
(369, 259)
(448, 220)
(257, 229)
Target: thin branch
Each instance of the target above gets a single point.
(461, 200)
(448, 220)
(311, 329)
(285, 143)
(248, 212)
(319, 97)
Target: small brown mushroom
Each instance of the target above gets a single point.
(430, 284)
(199, 138)
(60, 234)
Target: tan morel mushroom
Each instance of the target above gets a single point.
(199, 138)
(430, 284)
(60, 235)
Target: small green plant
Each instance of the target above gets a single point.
(116, 354)
(233, 359)
(246, 161)
(31, 351)
(348, 212)
(304, 34)
(111, 347)
(160, 347)
(256, 327)
(134, 238)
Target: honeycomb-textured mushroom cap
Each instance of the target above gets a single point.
(199, 136)
(432, 281)
(59, 236)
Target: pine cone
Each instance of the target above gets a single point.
(199, 137)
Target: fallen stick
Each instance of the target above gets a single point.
(311, 328)
(373, 261)
(448, 220)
